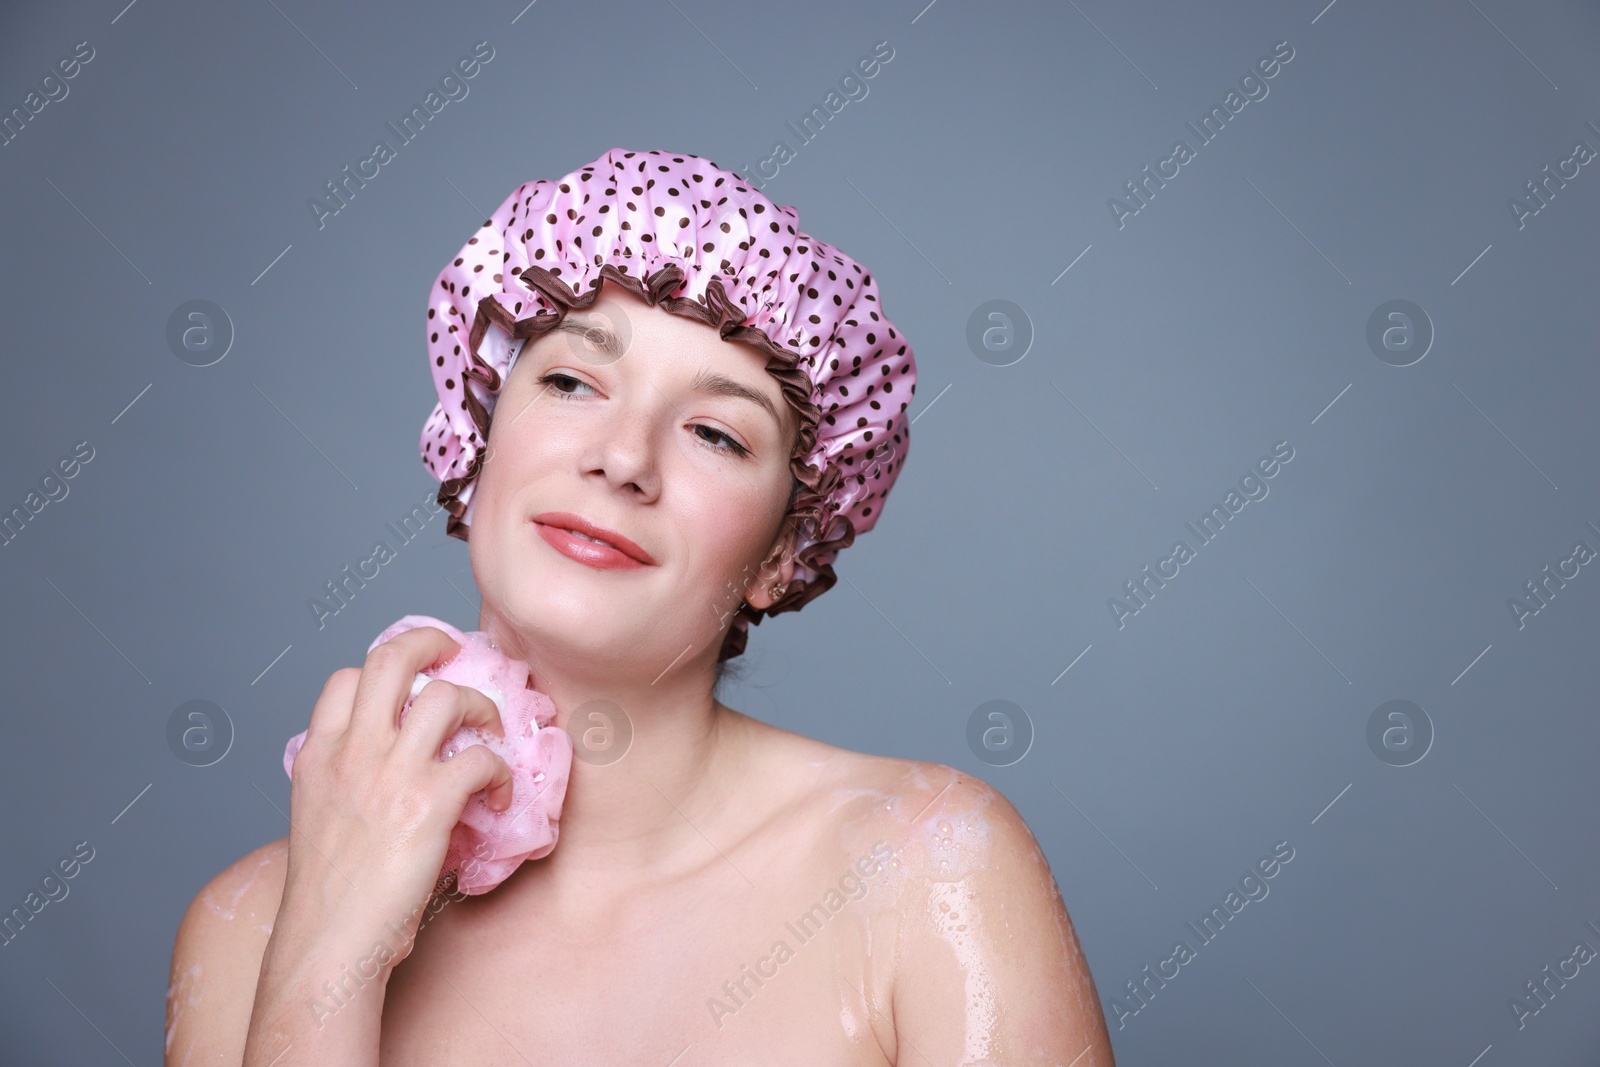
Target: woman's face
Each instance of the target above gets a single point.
(649, 426)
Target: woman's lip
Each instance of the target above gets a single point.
(616, 544)
(598, 556)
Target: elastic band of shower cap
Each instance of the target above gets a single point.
(686, 236)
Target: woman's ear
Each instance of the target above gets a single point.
(776, 570)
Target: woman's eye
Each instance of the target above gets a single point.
(714, 439)
(551, 380)
(733, 447)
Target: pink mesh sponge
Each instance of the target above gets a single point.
(486, 846)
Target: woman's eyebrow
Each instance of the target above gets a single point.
(722, 385)
(595, 333)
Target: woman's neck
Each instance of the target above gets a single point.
(653, 758)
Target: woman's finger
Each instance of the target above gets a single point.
(439, 710)
(331, 713)
(475, 768)
(387, 674)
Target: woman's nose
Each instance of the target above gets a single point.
(623, 450)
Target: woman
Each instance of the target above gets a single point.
(726, 891)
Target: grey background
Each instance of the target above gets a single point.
(1223, 318)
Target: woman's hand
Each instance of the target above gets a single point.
(371, 805)
(371, 811)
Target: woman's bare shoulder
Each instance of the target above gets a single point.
(239, 904)
(973, 899)
(216, 957)
(927, 809)
(977, 900)
(910, 804)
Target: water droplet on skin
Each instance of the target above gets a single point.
(944, 827)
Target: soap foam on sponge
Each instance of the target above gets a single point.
(486, 846)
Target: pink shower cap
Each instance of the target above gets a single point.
(486, 846)
(695, 240)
